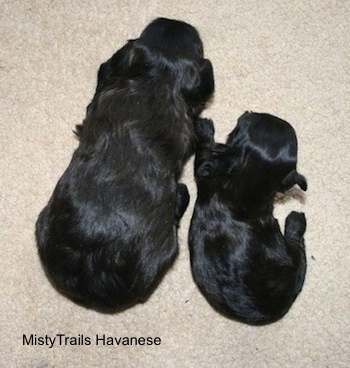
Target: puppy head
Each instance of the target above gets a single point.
(269, 158)
(271, 141)
(167, 49)
(177, 46)
(172, 39)
(269, 138)
(258, 159)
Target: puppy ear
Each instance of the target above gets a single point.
(294, 178)
(218, 160)
(109, 70)
(129, 61)
(206, 168)
(198, 82)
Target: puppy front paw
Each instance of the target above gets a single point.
(204, 129)
(301, 181)
(291, 179)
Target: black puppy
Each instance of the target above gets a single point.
(240, 260)
(109, 231)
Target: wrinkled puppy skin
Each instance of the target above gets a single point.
(109, 231)
(242, 263)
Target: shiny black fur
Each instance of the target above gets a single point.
(240, 260)
(109, 231)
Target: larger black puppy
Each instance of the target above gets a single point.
(109, 231)
(240, 260)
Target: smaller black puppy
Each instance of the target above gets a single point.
(109, 230)
(240, 260)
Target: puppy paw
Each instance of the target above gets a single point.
(301, 181)
(295, 226)
(293, 178)
(205, 131)
(182, 201)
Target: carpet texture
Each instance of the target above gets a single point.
(288, 58)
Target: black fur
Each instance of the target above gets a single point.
(109, 231)
(240, 260)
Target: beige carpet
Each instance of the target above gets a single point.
(289, 58)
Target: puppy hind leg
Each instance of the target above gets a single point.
(182, 201)
(295, 228)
